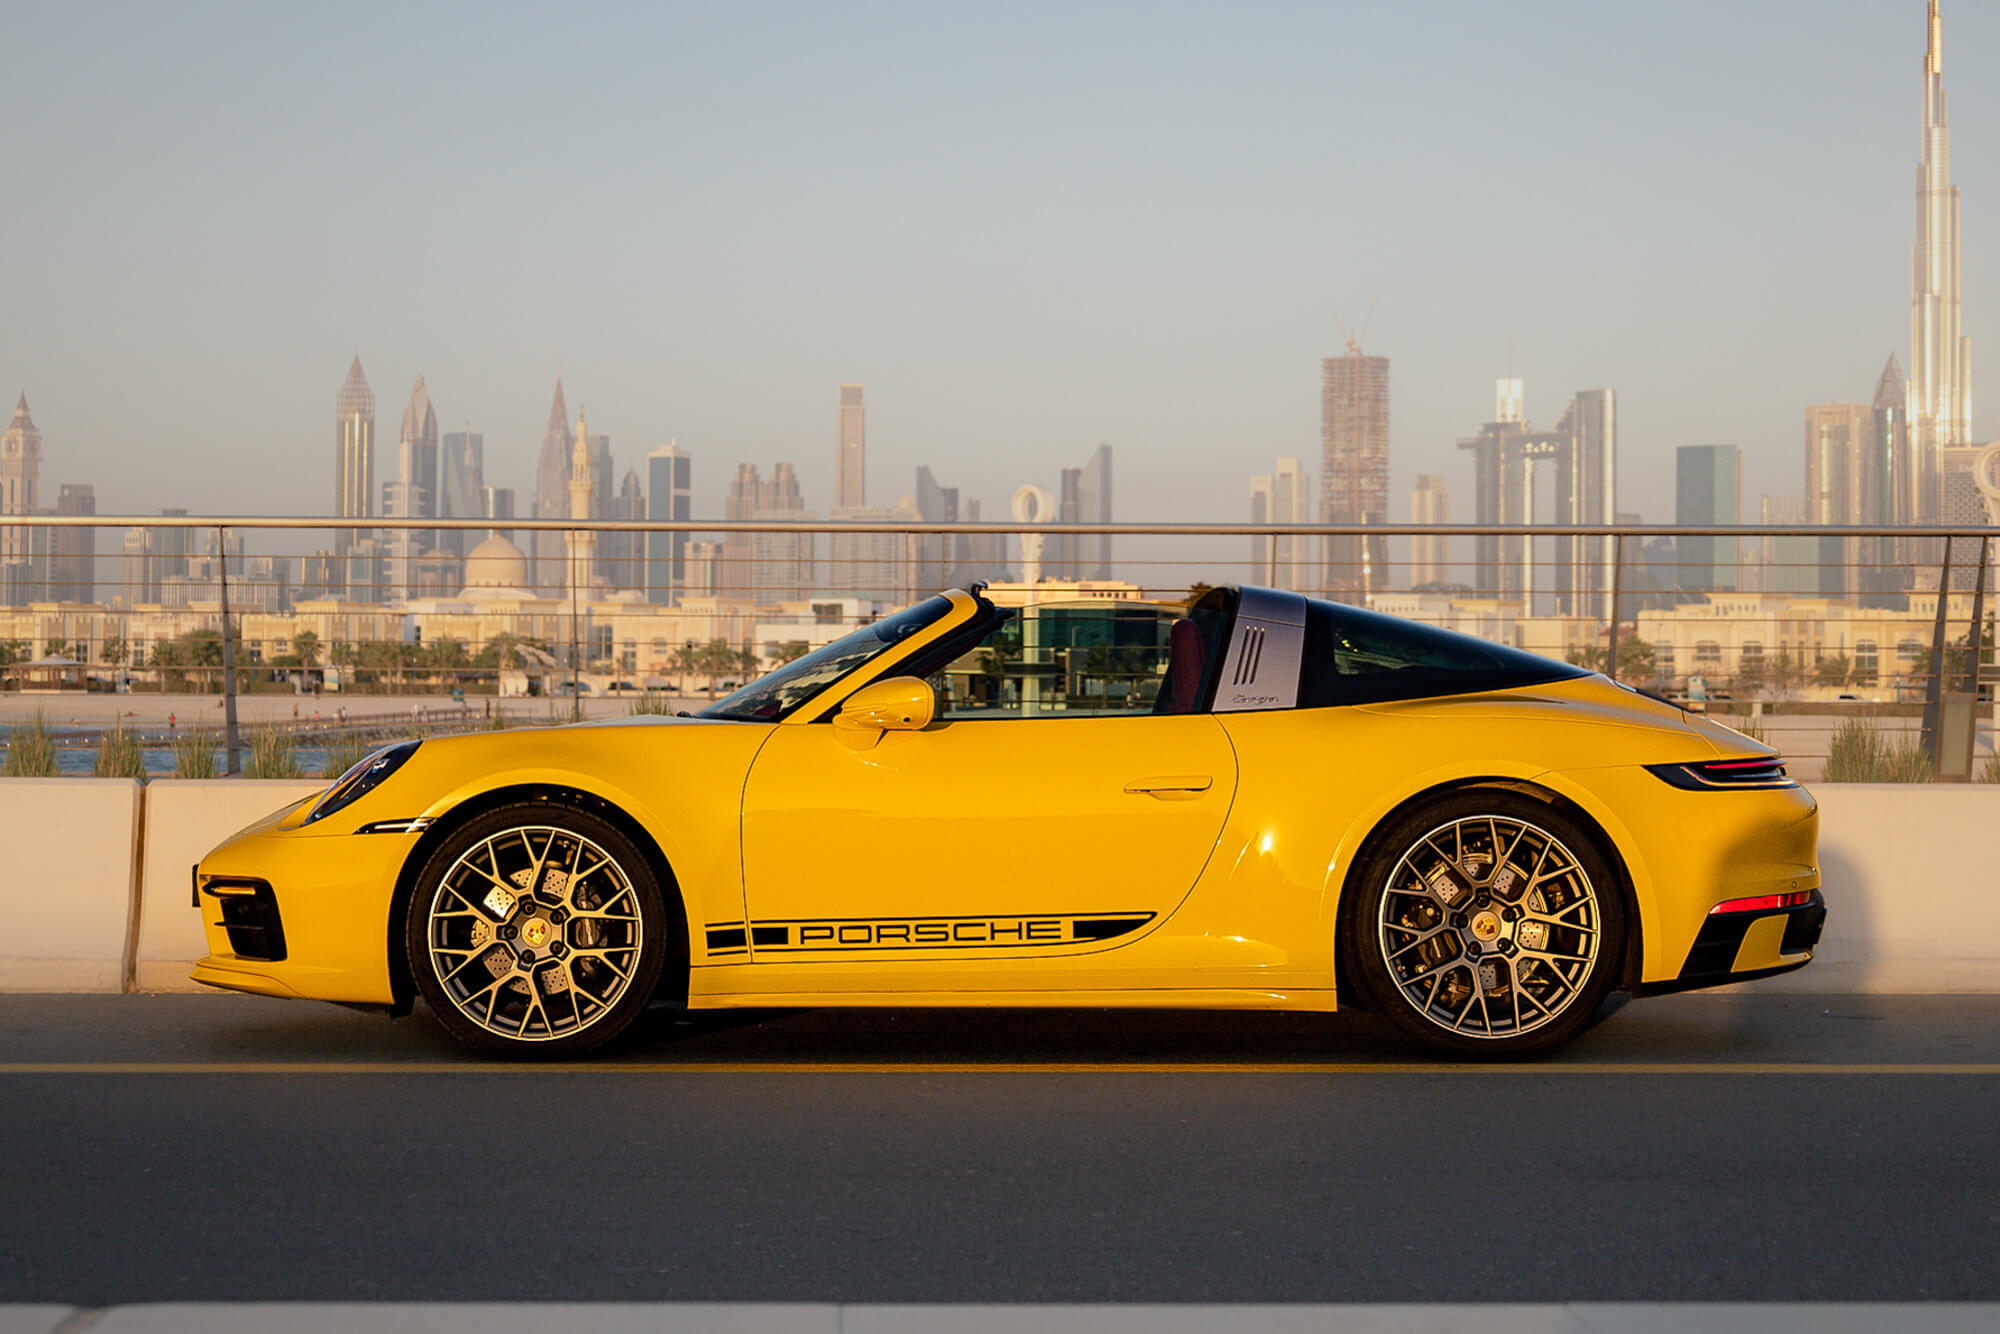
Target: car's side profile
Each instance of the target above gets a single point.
(1257, 800)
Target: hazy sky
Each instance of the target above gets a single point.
(1028, 228)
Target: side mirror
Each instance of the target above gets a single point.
(898, 704)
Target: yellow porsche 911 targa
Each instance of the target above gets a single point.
(1257, 800)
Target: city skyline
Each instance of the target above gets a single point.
(1450, 303)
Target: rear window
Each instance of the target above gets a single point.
(1354, 656)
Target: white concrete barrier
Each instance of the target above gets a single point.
(1912, 893)
(184, 819)
(66, 882)
(1912, 890)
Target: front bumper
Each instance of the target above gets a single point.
(321, 906)
(1743, 946)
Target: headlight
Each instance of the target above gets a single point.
(362, 779)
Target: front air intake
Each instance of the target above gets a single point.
(250, 916)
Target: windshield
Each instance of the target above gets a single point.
(772, 697)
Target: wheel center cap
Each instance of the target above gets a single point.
(1486, 926)
(535, 932)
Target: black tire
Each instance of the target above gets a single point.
(537, 931)
(1439, 932)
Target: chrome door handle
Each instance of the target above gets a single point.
(1171, 787)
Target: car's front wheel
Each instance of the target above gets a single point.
(537, 931)
(1487, 923)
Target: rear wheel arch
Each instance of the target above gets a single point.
(673, 978)
(1348, 995)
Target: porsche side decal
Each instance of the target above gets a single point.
(929, 933)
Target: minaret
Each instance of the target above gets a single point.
(20, 468)
(1940, 399)
(354, 452)
(582, 543)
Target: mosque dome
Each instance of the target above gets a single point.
(496, 566)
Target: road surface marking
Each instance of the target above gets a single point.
(1989, 1069)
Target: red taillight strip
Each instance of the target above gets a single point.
(1726, 775)
(1764, 903)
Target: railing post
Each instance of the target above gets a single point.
(1617, 587)
(1933, 734)
(1975, 640)
(228, 654)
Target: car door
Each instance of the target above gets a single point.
(993, 836)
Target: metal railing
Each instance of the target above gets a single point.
(1775, 620)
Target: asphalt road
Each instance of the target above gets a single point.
(1733, 1148)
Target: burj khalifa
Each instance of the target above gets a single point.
(1940, 395)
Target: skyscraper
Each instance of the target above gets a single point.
(1354, 468)
(73, 551)
(552, 494)
(626, 567)
(1840, 442)
(413, 495)
(1841, 450)
(1430, 557)
(1892, 468)
(939, 555)
(1886, 561)
(1504, 454)
(1083, 495)
(354, 453)
(781, 564)
(1940, 394)
(20, 473)
(461, 487)
(1093, 505)
(1285, 496)
(669, 499)
(580, 543)
(497, 502)
(851, 450)
(417, 459)
(1586, 493)
(1583, 450)
(1708, 492)
(764, 567)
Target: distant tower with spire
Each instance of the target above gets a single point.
(582, 543)
(1940, 396)
(552, 471)
(418, 457)
(353, 452)
(413, 495)
(20, 470)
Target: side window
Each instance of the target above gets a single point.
(1063, 661)
(1354, 656)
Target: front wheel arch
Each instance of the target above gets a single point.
(673, 978)
(1348, 995)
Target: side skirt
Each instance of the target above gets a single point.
(1175, 998)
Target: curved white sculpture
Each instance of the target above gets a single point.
(1032, 504)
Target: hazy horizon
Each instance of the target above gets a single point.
(1025, 231)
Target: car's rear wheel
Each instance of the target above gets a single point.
(537, 931)
(1487, 924)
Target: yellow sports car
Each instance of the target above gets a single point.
(1256, 800)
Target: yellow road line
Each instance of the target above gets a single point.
(698, 1067)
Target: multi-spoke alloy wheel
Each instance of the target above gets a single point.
(1489, 922)
(536, 931)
